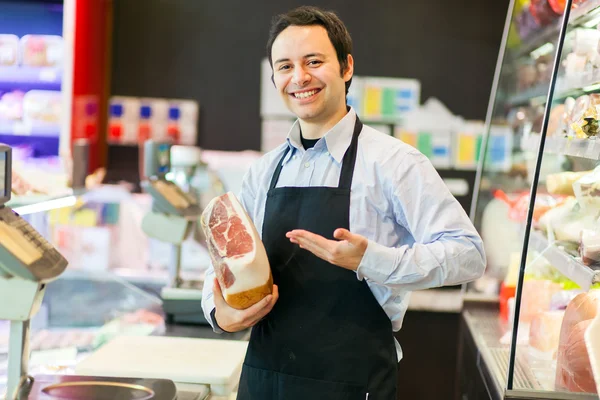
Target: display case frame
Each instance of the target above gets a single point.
(537, 147)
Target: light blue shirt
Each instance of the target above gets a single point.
(419, 235)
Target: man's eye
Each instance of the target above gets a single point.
(284, 67)
(314, 62)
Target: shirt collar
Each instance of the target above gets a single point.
(337, 139)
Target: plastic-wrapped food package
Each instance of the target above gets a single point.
(537, 296)
(544, 332)
(9, 50)
(556, 122)
(527, 76)
(587, 191)
(562, 183)
(561, 300)
(42, 107)
(585, 116)
(542, 12)
(558, 6)
(42, 50)
(573, 369)
(589, 248)
(11, 106)
(566, 222)
(519, 205)
(525, 23)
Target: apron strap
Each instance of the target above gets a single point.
(350, 158)
(277, 172)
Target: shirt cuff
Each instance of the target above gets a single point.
(215, 325)
(378, 263)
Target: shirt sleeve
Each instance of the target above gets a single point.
(447, 249)
(246, 197)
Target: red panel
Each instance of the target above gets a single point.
(90, 75)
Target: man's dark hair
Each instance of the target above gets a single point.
(306, 15)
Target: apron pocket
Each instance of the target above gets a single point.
(296, 387)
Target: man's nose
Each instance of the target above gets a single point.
(300, 76)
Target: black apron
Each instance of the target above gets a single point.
(327, 337)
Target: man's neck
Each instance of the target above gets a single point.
(316, 130)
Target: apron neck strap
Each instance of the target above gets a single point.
(347, 162)
(350, 157)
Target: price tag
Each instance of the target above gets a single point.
(20, 128)
(48, 75)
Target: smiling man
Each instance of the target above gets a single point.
(352, 220)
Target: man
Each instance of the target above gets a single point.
(352, 221)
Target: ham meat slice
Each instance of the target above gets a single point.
(573, 368)
(237, 252)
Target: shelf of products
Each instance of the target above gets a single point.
(584, 148)
(559, 271)
(30, 78)
(583, 14)
(573, 269)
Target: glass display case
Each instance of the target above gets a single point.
(539, 216)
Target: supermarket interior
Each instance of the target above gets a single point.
(137, 135)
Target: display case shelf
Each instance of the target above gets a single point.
(571, 86)
(30, 78)
(583, 14)
(584, 148)
(581, 274)
(35, 130)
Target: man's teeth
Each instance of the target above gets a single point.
(304, 95)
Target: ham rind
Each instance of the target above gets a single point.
(237, 252)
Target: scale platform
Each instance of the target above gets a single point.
(186, 361)
(66, 387)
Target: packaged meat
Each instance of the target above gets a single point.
(573, 369)
(9, 50)
(587, 191)
(42, 50)
(42, 107)
(237, 252)
(537, 296)
(566, 222)
(592, 343)
(544, 332)
(589, 248)
(562, 183)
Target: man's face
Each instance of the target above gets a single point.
(307, 75)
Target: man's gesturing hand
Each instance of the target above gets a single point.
(347, 252)
(231, 319)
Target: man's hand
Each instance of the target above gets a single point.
(347, 252)
(233, 320)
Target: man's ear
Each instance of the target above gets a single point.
(349, 71)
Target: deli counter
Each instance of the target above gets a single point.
(529, 327)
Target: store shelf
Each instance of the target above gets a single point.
(31, 204)
(581, 15)
(34, 130)
(584, 148)
(29, 78)
(581, 274)
(572, 86)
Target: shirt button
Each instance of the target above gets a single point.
(327, 153)
(306, 165)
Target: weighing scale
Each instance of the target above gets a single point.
(172, 219)
(27, 264)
